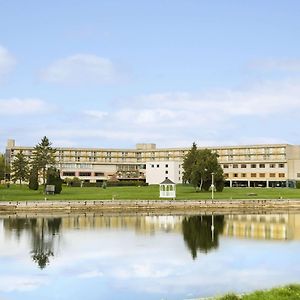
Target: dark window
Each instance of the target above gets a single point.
(235, 166)
(262, 165)
(243, 166)
(99, 174)
(253, 166)
(167, 171)
(167, 166)
(281, 165)
(68, 173)
(84, 173)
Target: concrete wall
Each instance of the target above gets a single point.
(158, 171)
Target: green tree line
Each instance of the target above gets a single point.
(41, 164)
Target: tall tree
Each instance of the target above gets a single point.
(189, 162)
(43, 156)
(34, 178)
(198, 167)
(4, 168)
(19, 168)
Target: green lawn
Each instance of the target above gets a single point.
(290, 292)
(184, 192)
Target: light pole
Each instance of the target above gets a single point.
(212, 185)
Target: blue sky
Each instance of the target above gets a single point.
(115, 73)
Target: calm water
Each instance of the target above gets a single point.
(145, 257)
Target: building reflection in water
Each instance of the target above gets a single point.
(266, 227)
(201, 233)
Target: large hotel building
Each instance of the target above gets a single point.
(270, 165)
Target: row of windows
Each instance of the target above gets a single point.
(254, 175)
(157, 166)
(72, 174)
(253, 166)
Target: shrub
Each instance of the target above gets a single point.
(53, 178)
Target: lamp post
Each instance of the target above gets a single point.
(212, 185)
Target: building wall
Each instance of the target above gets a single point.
(270, 164)
(158, 171)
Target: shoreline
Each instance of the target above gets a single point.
(151, 206)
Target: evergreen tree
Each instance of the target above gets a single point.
(4, 168)
(198, 167)
(44, 156)
(34, 178)
(188, 163)
(19, 168)
(53, 178)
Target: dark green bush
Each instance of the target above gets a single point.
(53, 178)
(34, 179)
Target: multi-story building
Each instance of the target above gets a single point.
(270, 165)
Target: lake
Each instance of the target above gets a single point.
(95, 256)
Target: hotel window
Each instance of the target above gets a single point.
(253, 166)
(99, 174)
(272, 166)
(68, 173)
(272, 175)
(244, 175)
(167, 166)
(280, 165)
(281, 175)
(166, 171)
(84, 173)
(235, 166)
(262, 166)
(243, 166)
(226, 175)
(235, 175)
(262, 175)
(152, 166)
(225, 166)
(157, 166)
(253, 174)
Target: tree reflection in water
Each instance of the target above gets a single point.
(43, 232)
(199, 234)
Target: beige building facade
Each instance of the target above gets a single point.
(270, 165)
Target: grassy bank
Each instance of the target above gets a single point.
(184, 192)
(290, 292)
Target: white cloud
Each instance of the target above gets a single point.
(26, 106)
(285, 65)
(20, 283)
(142, 271)
(91, 274)
(81, 69)
(7, 62)
(97, 114)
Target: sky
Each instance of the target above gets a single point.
(114, 73)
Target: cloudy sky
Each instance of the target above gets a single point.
(113, 73)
